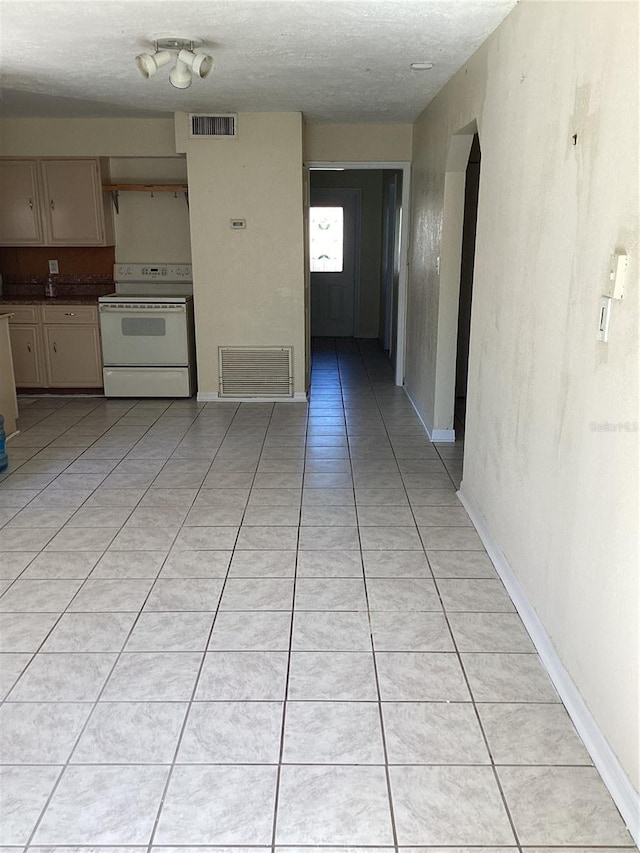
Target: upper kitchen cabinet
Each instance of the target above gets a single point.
(20, 216)
(54, 202)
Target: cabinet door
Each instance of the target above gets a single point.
(26, 351)
(20, 223)
(72, 203)
(73, 356)
(8, 402)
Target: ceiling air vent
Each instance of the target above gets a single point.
(256, 372)
(218, 126)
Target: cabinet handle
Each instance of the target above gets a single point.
(28, 347)
(55, 348)
(69, 313)
(52, 205)
(30, 204)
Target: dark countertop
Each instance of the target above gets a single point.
(51, 300)
(69, 290)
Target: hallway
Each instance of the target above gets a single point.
(268, 625)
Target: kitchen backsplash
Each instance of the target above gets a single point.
(73, 261)
(83, 271)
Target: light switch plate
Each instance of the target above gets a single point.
(53, 268)
(617, 275)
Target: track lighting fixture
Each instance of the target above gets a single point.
(188, 62)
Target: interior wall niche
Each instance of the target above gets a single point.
(151, 227)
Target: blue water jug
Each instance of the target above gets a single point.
(4, 461)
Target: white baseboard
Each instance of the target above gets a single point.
(440, 435)
(444, 436)
(606, 762)
(214, 397)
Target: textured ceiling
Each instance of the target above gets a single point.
(334, 60)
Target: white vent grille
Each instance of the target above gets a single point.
(224, 126)
(256, 372)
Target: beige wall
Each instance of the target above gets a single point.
(91, 137)
(357, 143)
(151, 228)
(559, 497)
(249, 284)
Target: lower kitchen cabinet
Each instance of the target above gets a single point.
(73, 356)
(55, 346)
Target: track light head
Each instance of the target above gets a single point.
(199, 63)
(180, 76)
(149, 63)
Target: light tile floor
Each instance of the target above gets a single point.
(268, 625)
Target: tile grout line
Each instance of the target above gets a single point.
(191, 700)
(276, 802)
(394, 828)
(88, 576)
(93, 491)
(473, 702)
(94, 704)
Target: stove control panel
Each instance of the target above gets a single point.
(152, 272)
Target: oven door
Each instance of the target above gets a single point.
(144, 334)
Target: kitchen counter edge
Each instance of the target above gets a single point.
(51, 300)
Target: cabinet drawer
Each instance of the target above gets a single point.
(22, 313)
(67, 314)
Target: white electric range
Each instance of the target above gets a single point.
(147, 329)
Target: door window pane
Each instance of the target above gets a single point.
(326, 239)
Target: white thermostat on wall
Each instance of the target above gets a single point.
(237, 224)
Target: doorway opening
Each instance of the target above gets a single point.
(452, 347)
(357, 243)
(472, 186)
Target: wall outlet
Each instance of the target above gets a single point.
(53, 268)
(237, 224)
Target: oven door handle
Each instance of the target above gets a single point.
(142, 309)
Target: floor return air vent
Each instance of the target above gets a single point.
(255, 372)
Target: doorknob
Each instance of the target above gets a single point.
(30, 204)
(28, 347)
(55, 348)
(52, 205)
